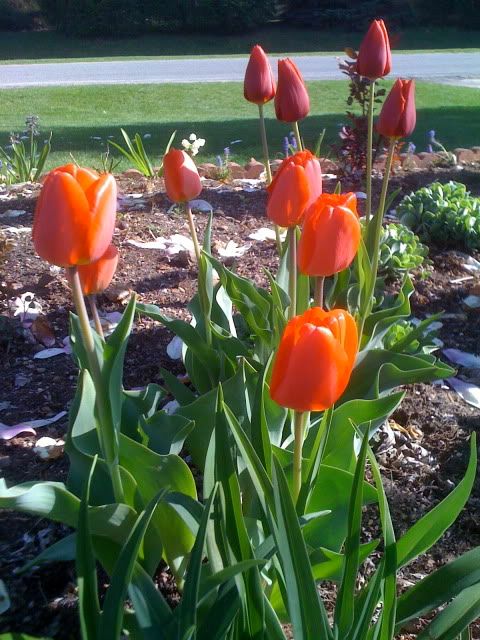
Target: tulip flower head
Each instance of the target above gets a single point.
(330, 235)
(398, 115)
(75, 216)
(314, 360)
(259, 83)
(292, 102)
(295, 186)
(374, 58)
(96, 276)
(182, 181)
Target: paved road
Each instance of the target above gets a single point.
(453, 68)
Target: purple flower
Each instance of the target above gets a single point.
(285, 146)
(411, 148)
(431, 135)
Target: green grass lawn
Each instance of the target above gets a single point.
(280, 38)
(216, 112)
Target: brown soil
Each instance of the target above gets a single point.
(44, 600)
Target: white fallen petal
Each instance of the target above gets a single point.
(466, 390)
(472, 301)
(177, 243)
(158, 243)
(264, 233)
(460, 280)
(7, 432)
(233, 250)
(12, 213)
(463, 358)
(471, 264)
(171, 407)
(48, 448)
(174, 348)
(50, 353)
(201, 205)
(361, 195)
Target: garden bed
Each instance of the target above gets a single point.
(429, 452)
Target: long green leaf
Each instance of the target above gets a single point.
(306, 610)
(439, 587)
(455, 618)
(112, 615)
(88, 606)
(344, 610)
(431, 527)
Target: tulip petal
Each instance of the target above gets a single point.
(102, 199)
(288, 200)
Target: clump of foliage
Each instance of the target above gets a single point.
(445, 214)
(400, 250)
(23, 160)
(352, 150)
(412, 338)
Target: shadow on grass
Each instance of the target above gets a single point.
(455, 127)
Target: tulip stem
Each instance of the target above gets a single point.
(377, 234)
(371, 104)
(268, 169)
(318, 291)
(92, 301)
(299, 421)
(107, 435)
(193, 232)
(298, 136)
(292, 268)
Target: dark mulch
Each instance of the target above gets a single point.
(44, 600)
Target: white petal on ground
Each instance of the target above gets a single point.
(463, 358)
(26, 307)
(158, 243)
(49, 353)
(171, 407)
(12, 213)
(265, 234)
(472, 301)
(233, 250)
(7, 432)
(471, 264)
(201, 205)
(174, 348)
(467, 390)
(48, 448)
(16, 231)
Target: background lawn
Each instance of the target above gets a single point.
(280, 38)
(216, 112)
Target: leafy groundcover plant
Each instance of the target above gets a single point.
(287, 385)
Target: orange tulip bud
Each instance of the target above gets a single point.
(398, 115)
(297, 183)
(330, 235)
(314, 360)
(182, 181)
(96, 276)
(374, 58)
(259, 83)
(75, 216)
(291, 100)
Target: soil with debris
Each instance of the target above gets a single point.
(428, 447)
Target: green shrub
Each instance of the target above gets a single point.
(400, 250)
(122, 17)
(445, 214)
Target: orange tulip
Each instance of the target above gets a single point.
(291, 100)
(398, 115)
(259, 83)
(75, 216)
(295, 186)
(374, 58)
(182, 181)
(330, 235)
(96, 276)
(314, 360)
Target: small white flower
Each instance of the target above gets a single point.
(185, 143)
(200, 142)
(192, 137)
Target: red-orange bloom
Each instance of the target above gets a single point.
(374, 57)
(96, 276)
(330, 235)
(398, 115)
(259, 83)
(182, 181)
(314, 360)
(75, 216)
(295, 186)
(291, 100)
